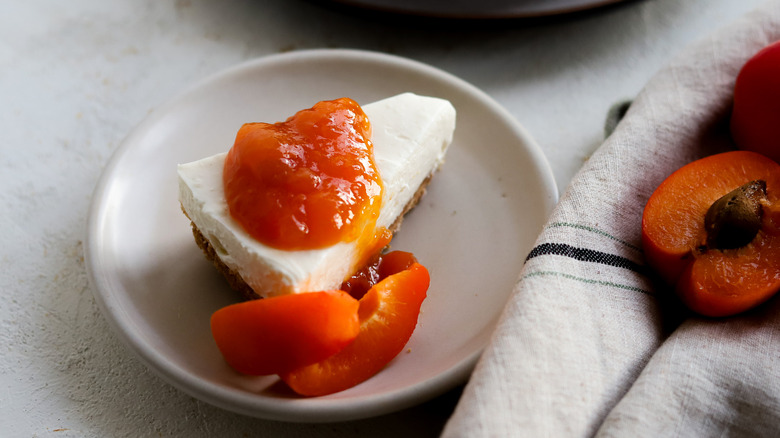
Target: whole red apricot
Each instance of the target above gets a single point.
(755, 118)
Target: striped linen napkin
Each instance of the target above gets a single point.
(590, 343)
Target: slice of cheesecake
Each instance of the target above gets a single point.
(410, 134)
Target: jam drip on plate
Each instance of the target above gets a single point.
(377, 269)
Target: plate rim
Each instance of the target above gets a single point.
(294, 410)
(410, 9)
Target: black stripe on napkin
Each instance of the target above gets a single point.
(585, 255)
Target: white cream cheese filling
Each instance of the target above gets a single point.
(410, 133)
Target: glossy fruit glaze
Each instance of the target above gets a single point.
(308, 182)
(375, 270)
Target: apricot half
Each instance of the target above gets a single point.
(712, 230)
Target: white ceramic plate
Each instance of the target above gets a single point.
(472, 230)
(478, 9)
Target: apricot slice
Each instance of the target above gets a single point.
(388, 316)
(712, 230)
(275, 335)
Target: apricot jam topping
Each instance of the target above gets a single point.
(379, 267)
(308, 182)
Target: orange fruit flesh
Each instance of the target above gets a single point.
(720, 283)
(274, 335)
(711, 281)
(673, 220)
(388, 315)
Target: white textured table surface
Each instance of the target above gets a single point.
(77, 76)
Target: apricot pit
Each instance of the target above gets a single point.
(734, 220)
